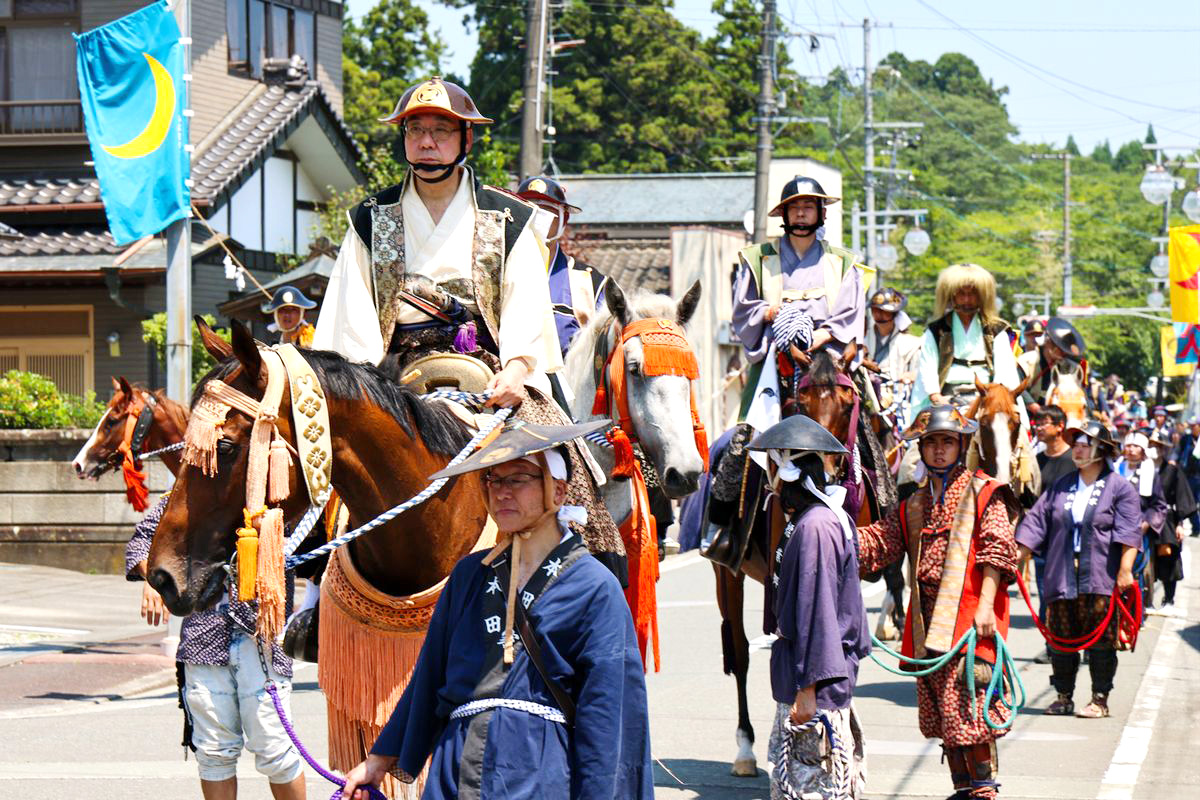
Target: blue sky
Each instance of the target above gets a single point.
(1099, 70)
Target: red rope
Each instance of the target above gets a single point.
(1127, 628)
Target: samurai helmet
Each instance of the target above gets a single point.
(437, 96)
(1095, 431)
(800, 434)
(940, 419)
(541, 189)
(798, 187)
(287, 296)
(1034, 326)
(890, 300)
(1063, 335)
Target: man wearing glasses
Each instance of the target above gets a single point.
(472, 242)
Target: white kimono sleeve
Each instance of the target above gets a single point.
(526, 320)
(1004, 362)
(927, 376)
(349, 322)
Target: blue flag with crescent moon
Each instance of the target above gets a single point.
(131, 85)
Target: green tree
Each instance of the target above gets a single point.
(1102, 154)
(154, 332)
(383, 53)
(1070, 146)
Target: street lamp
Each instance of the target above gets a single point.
(1160, 265)
(1156, 299)
(886, 256)
(1157, 184)
(916, 241)
(1191, 204)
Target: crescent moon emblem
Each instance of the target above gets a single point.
(152, 136)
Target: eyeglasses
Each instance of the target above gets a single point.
(518, 480)
(416, 133)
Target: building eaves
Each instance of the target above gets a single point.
(632, 263)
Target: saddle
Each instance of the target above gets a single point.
(447, 371)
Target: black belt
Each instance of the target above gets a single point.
(963, 362)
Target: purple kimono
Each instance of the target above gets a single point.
(844, 320)
(822, 624)
(1112, 519)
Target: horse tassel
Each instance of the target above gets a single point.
(278, 469)
(269, 585)
(135, 481)
(701, 436)
(466, 339)
(623, 463)
(247, 556)
(600, 404)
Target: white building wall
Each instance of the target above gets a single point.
(245, 213)
(279, 206)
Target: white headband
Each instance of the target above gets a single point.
(554, 462)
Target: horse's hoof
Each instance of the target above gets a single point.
(745, 768)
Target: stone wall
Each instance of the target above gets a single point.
(50, 517)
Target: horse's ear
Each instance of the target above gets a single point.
(217, 347)
(245, 349)
(980, 386)
(116, 384)
(686, 306)
(125, 388)
(617, 305)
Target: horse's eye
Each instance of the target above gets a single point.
(226, 447)
(635, 369)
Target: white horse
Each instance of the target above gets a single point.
(660, 406)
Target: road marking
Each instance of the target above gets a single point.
(679, 562)
(1121, 777)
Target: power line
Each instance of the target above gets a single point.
(1033, 69)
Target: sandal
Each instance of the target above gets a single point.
(1064, 706)
(1097, 709)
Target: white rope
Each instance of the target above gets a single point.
(537, 709)
(171, 448)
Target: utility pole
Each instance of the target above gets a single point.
(536, 12)
(766, 108)
(1068, 270)
(869, 142)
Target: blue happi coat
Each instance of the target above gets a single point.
(577, 610)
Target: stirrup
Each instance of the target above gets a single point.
(1064, 706)
(1097, 709)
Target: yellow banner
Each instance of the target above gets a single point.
(1183, 250)
(1167, 343)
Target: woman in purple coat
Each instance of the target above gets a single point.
(1088, 528)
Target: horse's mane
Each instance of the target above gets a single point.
(438, 427)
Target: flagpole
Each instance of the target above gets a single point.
(179, 247)
(179, 280)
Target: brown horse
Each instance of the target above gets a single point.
(827, 394)
(386, 441)
(100, 452)
(998, 441)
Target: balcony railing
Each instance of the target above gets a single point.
(40, 117)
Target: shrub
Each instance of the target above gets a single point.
(29, 400)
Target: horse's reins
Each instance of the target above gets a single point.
(137, 426)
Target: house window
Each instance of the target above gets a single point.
(258, 30)
(55, 341)
(36, 45)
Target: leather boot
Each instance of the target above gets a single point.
(1097, 709)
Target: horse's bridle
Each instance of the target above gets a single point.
(137, 427)
(666, 350)
(844, 381)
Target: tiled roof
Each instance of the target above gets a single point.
(48, 191)
(8, 232)
(262, 126)
(632, 263)
(701, 198)
(61, 241)
(226, 159)
(37, 249)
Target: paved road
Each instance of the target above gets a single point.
(77, 719)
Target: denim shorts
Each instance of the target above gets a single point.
(231, 709)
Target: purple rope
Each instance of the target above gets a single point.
(372, 792)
